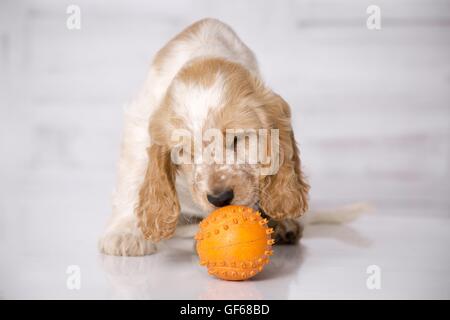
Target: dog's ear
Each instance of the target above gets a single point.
(284, 194)
(158, 207)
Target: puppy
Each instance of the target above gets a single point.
(204, 78)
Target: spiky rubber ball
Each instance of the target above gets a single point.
(234, 243)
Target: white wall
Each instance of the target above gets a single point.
(371, 108)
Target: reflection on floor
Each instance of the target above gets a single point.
(330, 262)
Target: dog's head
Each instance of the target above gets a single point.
(231, 137)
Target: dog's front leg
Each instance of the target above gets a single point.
(124, 238)
(287, 231)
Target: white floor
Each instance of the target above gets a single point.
(331, 262)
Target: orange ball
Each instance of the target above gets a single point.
(234, 243)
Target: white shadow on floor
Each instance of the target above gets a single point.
(343, 233)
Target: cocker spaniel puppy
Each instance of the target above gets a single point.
(204, 78)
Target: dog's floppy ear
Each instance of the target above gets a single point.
(283, 195)
(158, 207)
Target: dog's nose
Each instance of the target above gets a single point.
(222, 199)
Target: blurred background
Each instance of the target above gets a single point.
(371, 108)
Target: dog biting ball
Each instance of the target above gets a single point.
(234, 243)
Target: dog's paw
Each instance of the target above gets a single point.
(287, 231)
(124, 243)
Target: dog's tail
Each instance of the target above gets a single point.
(339, 215)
